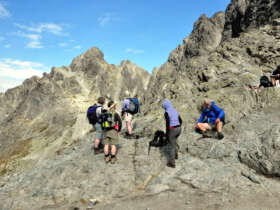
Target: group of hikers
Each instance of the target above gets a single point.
(108, 124)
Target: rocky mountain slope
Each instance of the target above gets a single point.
(46, 160)
(49, 112)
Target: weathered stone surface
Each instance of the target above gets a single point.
(45, 140)
(245, 14)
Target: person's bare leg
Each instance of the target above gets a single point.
(113, 150)
(129, 128)
(106, 149)
(106, 153)
(219, 127)
(203, 126)
(96, 143)
(273, 81)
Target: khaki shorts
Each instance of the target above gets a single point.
(127, 117)
(111, 137)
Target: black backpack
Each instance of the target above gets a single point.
(91, 114)
(264, 82)
(107, 120)
(158, 141)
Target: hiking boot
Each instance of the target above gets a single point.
(220, 135)
(97, 151)
(171, 165)
(207, 134)
(113, 160)
(107, 159)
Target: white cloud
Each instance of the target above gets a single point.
(18, 69)
(35, 39)
(63, 44)
(4, 12)
(107, 18)
(130, 50)
(7, 83)
(78, 47)
(14, 72)
(7, 46)
(43, 27)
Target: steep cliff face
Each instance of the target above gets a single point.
(243, 15)
(213, 62)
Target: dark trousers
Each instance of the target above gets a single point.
(172, 139)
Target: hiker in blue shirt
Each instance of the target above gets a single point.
(212, 117)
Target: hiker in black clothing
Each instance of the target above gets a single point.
(275, 76)
(173, 131)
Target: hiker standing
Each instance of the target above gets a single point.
(130, 106)
(112, 126)
(173, 130)
(212, 117)
(275, 76)
(99, 131)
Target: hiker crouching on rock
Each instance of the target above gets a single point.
(112, 126)
(275, 76)
(173, 131)
(98, 127)
(212, 117)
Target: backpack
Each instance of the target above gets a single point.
(107, 120)
(133, 106)
(158, 141)
(91, 114)
(264, 81)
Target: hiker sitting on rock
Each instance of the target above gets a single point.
(275, 76)
(99, 131)
(212, 117)
(173, 131)
(112, 126)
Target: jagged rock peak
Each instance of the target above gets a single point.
(244, 14)
(92, 56)
(205, 37)
(94, 52)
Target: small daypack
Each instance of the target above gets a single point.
(133, 106)
(264, 82)
(107, 120)
(91, 114)
(159, 140)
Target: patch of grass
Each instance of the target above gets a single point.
(18, 150)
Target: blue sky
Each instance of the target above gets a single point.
(38, 34)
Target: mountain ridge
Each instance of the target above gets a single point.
(48, 162)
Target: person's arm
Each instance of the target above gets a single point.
(118, 121)
(180, 120)
(167, 122)
(219, 112)
(202, 116)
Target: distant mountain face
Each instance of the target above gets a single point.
(48, 107)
